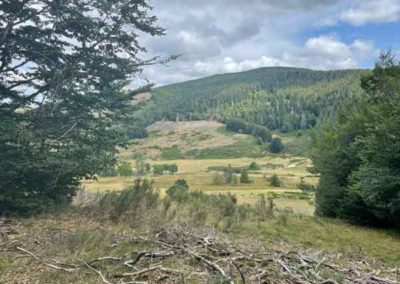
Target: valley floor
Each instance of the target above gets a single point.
(197, 173)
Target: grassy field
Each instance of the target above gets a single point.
(196, 172)
(72, 240)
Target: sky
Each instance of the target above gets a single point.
(224, 36)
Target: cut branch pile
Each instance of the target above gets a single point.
(182, 255)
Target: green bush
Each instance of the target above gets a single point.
(358, 155)
(173, 153)
(162, 168)
(129, 202)
(244, 176)
(125, 169)
(179, 191)
(276, 145)
(241, 126)
(275, 181)
(305, 187)
(254, 167)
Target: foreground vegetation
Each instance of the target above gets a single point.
(358, 154)
(136, 236)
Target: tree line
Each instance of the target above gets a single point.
(358, 154)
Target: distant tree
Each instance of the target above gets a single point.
(140, 166)
(218, 178)
(244, 176)
(276, 145)
(228, 174)
(182, 183)
(305, 187)
(254, 166)
(234, 179)
(241, 126)
(147, 167)
(109, 171)
(158, 170)
(275, 181)
(125, 169)
(173, 168)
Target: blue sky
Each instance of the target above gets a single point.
(219, 36)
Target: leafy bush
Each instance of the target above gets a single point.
(162, 168)
(276, 145)
(244, 176)
(125, 169)
(275, 181)
(128, 203)
(179, 191)
(173, 153)
(218, 179)
(254, 167)
(305, 187)
(241, 126)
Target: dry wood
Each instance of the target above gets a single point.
(28, 252)
(97, 271)
(69, 270)
(150, 269)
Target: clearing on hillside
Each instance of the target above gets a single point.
(175, 140)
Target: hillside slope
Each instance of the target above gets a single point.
(279, 98)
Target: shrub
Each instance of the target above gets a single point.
(128, 203)
(218, 179)
(109, 171)
(254, 167)
(305, 187)
(228, 174)
(125, 169)
(160, 169)
(173, 153)
(276, 145)
(179, 191)
(241, 126)
(275, 181)
(244, 176)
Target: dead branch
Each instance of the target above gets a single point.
(28, 252)
(150, 269)
(97, 271)
(69, 270)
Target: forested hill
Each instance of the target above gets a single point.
(279, 98)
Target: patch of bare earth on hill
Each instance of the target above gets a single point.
(185, 136)
(61, 253)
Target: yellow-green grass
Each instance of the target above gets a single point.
(196, 173)
(330, 235)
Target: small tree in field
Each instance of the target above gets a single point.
(254, 166)
(275, 181)
(228, 174)
(125, 169)
(276, 145)
(173, 169)
(218, 179)
(244, 176)
(140, 166)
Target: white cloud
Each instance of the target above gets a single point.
(363, 48)
(372, 11)
(324, 52)
(235, 35)
(230, 65)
